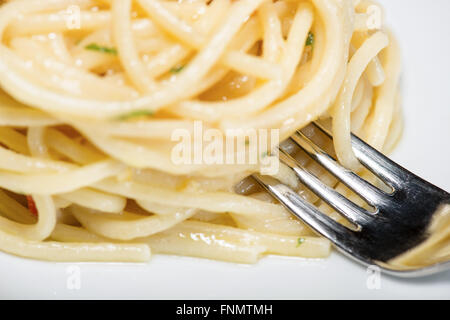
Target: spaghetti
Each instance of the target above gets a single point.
(92, 91)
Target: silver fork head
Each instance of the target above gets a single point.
(401, 219)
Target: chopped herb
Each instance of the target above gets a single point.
(300, 241)
(264, 154)
(135, 114)
(247, 142)
(96, 47)
(176, 69)
(310, 39)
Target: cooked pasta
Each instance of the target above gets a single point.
(92, 92)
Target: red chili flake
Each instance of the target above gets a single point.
(32, 206)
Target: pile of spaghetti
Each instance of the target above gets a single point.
(92, 90)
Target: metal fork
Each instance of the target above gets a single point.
(399, 222)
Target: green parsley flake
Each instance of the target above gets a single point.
(96, 47)
(135, 114)
(310, 39)
(177, 69)
(300, 241)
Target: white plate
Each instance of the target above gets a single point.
(423, 29)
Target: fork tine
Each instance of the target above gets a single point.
(375, 161)
(354, 213)
(308, 213)
(364, 189)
